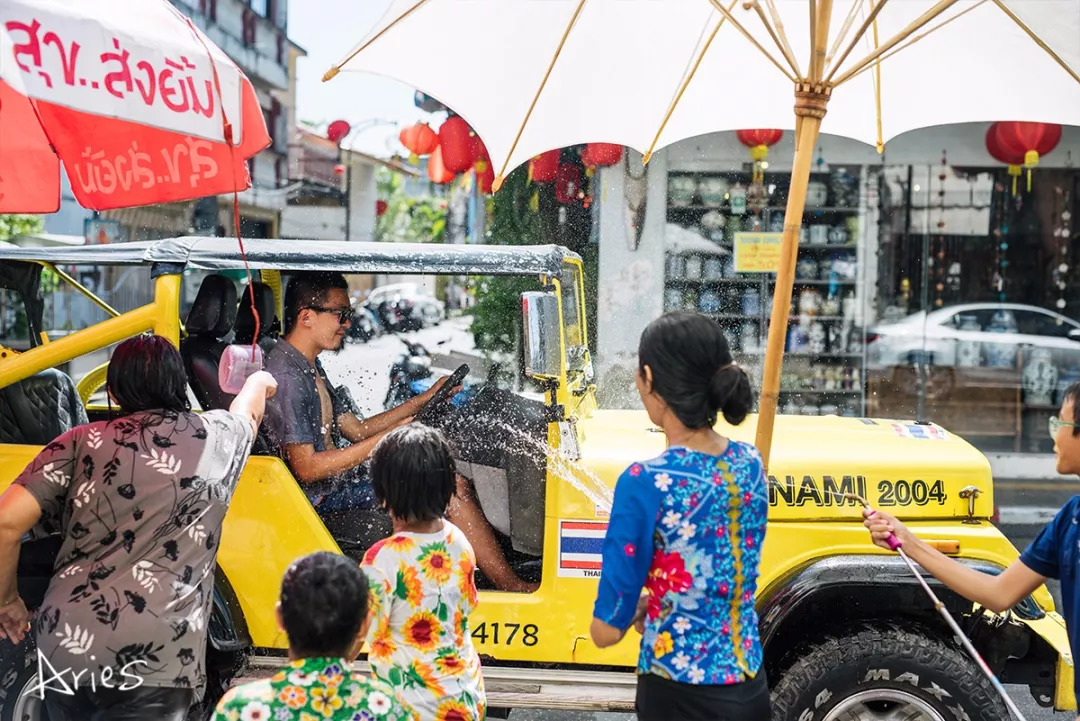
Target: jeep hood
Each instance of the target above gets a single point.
(914, 471)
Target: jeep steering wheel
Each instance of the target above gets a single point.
(433, 407)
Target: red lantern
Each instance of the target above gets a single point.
(380, 208)
(1020, 144)
(436, 171)
(598, 155)
(759, 141)
(458, 148)
(485, 178)
(481, 159)
(544, 167)
(339, 169)
(337, 131)
(567, 183)
(420, 139)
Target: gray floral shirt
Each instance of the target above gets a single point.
(139, 502)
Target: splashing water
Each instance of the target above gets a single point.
(561, 467)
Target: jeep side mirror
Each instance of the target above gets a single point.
(543, 346)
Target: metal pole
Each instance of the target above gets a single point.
(348, 199)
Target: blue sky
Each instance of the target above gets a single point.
(327, 30)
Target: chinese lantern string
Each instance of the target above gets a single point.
(939, 255)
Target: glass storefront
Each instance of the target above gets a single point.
(938, 291)
(976, 302)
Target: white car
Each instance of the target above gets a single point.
(424, 308)
(973, 334)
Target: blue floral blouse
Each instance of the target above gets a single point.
(688, 528)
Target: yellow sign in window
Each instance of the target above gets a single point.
(757, 252)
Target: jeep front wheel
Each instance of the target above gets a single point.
(885, 673)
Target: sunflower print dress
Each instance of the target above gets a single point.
(422, 591)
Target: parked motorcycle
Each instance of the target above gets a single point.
(411, 366)
(364, 326)
(411, 374)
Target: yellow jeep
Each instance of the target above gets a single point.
(844, 625)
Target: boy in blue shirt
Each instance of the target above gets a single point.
(1054, 553)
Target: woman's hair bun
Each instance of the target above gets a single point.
(731, 393)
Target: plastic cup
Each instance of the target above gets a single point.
(238, 362)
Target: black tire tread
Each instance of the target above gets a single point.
(880, 642)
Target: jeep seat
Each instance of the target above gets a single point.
(210, 319)
(269, 326)
(38, 409)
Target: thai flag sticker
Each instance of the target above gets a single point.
(913, 430)
(581, 546)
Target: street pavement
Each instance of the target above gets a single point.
(364, 369)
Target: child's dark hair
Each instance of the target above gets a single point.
(692, 370)
(324, 602)
(413, 473)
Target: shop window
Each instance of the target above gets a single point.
(261, 7)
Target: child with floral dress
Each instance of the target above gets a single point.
(422, 582)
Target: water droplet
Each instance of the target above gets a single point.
(1064, 268)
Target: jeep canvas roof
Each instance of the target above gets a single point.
(203, 253)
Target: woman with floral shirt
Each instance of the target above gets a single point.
(324, 612)
(687, 527)
(422, 582)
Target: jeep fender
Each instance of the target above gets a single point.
(828, 595)
(228, 630)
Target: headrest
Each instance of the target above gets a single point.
(245, 320)
(214, 310)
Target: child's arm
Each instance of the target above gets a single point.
(997, 593)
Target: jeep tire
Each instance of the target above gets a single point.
(877, 669)
(18, 678)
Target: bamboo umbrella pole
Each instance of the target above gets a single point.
(785, 277)
(811, 103)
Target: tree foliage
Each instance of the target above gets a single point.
(407, 219)
(497, 315)
(15, 225)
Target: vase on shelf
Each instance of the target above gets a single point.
(968, 350)
(1001, 355)
(1039, 378)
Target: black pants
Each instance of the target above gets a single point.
(145, 703)
(659, 699)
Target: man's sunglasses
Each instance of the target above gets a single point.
(344, 315)
(1056, 424)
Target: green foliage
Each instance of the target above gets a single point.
(10, 227)
(497, 313)
(407, 220)
(13, 225)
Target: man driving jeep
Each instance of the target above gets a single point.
(318, 432)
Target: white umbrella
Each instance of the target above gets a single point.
(532, 75)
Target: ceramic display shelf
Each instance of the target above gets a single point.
(723, 298)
